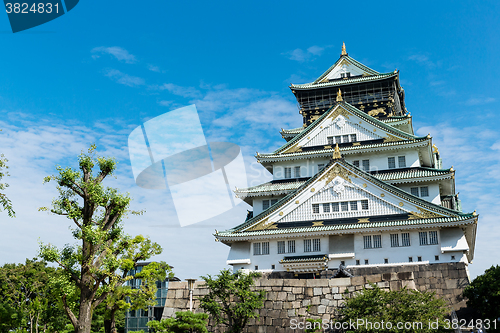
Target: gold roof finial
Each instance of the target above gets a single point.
(339, 96)
(336, 152)
(344, 52)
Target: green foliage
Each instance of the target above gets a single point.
(315, 325)
(96, 267)
(184, 322)
(29, 299)
(375, 305)
(5, 203)
(483, 295)
(230, 300)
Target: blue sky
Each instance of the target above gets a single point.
(101, 70)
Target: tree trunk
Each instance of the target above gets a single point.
(84, 315)
(110, 324)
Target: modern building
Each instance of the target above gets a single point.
(354, 186)
(136, 320)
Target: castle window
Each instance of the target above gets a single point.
(273, 267)
(326, 208)
(354, 205)
(357, 261)
(386, 261)
(364, 204)
(422, 236)
(265, 247)
(307, 245)
(405, 239)
(296, 172)
(436, 258)
(330, 140)
(256, 249)
(316, 245)
(256, 268)
(265, 204)
(342, 262)
(345, 138)
(315, 208)
(273, 201)
(291, 246)
(353, 137)
(452, 257)
(367, 242)
(366, 261)
(338, 139)
(335, 207)
(288, 173)
(394, 240)
(366, 165)
(356, 163)
(410, 259)
(419, 258)
(281, 247)
(402, 161)
(424, 191)
(414, 191)
(391, 162)
(344, 206)
(433, 237)
(377, 241)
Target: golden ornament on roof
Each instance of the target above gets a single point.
(339, 96)
(336, 152)
(344, 52)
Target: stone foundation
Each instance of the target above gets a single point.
(298, 299)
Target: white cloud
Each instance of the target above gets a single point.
(479, 101)
(154, 68)
(125, 79)
(189, 92)
(305, 55)
(119, 53)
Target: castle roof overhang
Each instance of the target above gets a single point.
(344, 82)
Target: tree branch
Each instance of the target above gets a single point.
(72, 317)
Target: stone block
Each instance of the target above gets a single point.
(298, 290)
(337, 296)
(451, 283)
(282, 296)
(335, 290)
(409, 284)
(271, 282)
(294, 282)
(374, 278)
(321, 309)
(333, 303)
(291, 313)
(290, 297)
(287, 289)
(357, 280)
(309, 292)
(169, 302)
(395, 285)
(284, 314)
(180, 303)
(324, 301)
(341, 303)
(454, 274)
(177, 285)
(328, 296)
(271, 296)
(317, 291)
(315, 300)
(295, 304)
(317, 283)
(268, 321)
(168, 312)
(179, 293)
(326, 290)
(302, 312)
(306, 302)
(405, 276)
(261, 329)
(352, 288)
(278, 305)
(383, 284)
(277, 288)
(339, 282)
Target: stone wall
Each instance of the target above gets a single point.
(298, 299)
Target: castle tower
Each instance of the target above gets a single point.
(354, 186)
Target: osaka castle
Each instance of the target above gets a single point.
(353, 187)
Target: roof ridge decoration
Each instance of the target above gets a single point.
(341, 168)
(346, 110)
(339, 95)
(336, 153)
(344, 52)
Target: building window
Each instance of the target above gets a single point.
(410, 259)
(436, 258)
(433, 237)
(353, 137)
(424, 191)
(256, 249)
(281, 247)
(419, 258)
(422, 236)
(326, 208)
(288, 173)
(377, 241)
(296, 172)
(394, 240)
(405, 239)
(274, 201)
(402, 161)
(291, 246)
(414, 191)
(391, 162)
(367, 241)
(386, 261)
(338, 139)
(342, 262)
(364, 204)
(335, 207)
(320, 167)
(356, 163)
(307, 245)
(256, 268)
(344, 206)
(345, 138)
(357, 261)
(273, 267)
(265, 204)
(315, 208)
(316, 245)
(452, 257)
(366, 261)
(265, 247)
(330, 140)
(354, 205)
(366, 165)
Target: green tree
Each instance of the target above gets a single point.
(374, 305)
(28, 298)
(97, 266)
(184, 322)
(5, 203)
(483, 295)
(230, 300)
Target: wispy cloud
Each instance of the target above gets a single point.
(479, 101)
(305, 55)
(424, 60)
(119, 53)
(189, 92)
(154, 68)
(125, 79)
